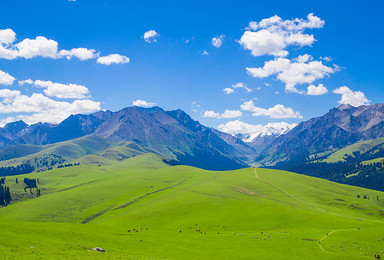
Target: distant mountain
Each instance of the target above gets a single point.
(340, 127)
(256, 136)
(173, 134)
(244, 150)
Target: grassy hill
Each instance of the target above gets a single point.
(91, 149)
(142, 208)
(360, 147)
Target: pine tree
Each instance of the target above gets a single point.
(2, 202)
(7, 196)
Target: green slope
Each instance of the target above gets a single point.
(361, 147)
(182, 212)
(91, 149)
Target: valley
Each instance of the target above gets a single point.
(142, 208)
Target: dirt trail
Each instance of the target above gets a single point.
(92, 217)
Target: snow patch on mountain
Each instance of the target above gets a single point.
(249, 133)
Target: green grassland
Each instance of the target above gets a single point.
(361, 147)
(142, 208)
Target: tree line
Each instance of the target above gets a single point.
(16, 170)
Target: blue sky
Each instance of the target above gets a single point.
(171, 70)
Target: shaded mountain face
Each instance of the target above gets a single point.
(244, 150)
(73, 127)
(338, 128)
(173, 134)
(11, 131)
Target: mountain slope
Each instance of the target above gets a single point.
(174, 134)
(338, 128)
(90, 149)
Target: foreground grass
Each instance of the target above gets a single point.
(141, 208)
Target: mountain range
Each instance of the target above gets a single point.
(340, 127)
(174, 135)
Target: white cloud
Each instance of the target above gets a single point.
(327, 59)
(143, 103)
(210, 113)
(7, 36)
(278, 111)
(273, 35)
(228, 91)
(218, 41)
(150, 36)
(41, 108)
(27, 81)
(241, 85)
(302, 70)
(235, 86)
(113, 59)
(47, 48)
(231, 114)
(63, 91)
(354, 98)
(39, 47)
(6, 79)
(204, 53)
(7, 93)
(227, 114)
(317, 91)
(249, 132)
(80, 53)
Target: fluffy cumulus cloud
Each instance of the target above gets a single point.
(6, 79)
(218, 41)
(235, 86)
(273, 35)
(250, 132)
(316, 91)
(210, 113)
(227, 114)
(278, 111)
(39, 108)
(143, 103)
(28, 48)
(8, 94)
(354, 98)
(59, 90)
(299, 71)
(80, 53)
(46, 48)
(151, 36)
(113, 59)
(26, 81)
(63, 90)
